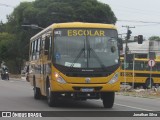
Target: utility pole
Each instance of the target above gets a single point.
(126, 50)
(127, 38)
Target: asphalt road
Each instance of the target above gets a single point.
(17, 95)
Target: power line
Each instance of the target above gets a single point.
(120, 5)
(1, 4)
(147, 25)
(136, 21)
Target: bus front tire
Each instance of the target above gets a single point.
(108, 99)
(37, 92)
(52, 98)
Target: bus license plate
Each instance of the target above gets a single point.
(87, 89)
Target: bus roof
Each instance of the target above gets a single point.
(76, 25)
(82, 25)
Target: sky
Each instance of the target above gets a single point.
(144, 15)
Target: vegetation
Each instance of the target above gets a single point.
(14, 39)
(156, 38)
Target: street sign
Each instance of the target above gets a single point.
(151, 63)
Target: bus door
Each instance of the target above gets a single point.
(46, 61)
(42, 67)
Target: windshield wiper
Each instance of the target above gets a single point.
(77, 57)
(95, 55)
(89, 49)
(97, 58)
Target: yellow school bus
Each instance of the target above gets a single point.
(139, 73)
(76, 60)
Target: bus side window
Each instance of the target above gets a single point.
(50, 48)
(122, 65)
(138, 66)
(158, 66)
(33, 50)
(135, 66)
(31, 44)
(46, 47)
(142, 66)
(38, 48)
(154, 68)
(125, 66)
(42, 46)
(146, 67)
(130, 66)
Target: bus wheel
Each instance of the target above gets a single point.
(148, 84)
(51, 97)
(37, 92)
(108, 99)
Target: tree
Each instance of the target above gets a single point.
(6, 40)
(156, 38)
(44, 13)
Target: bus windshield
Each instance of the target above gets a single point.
(86, 48)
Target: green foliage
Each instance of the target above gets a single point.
(14, 39)
(5, 45)
(2, 27)
(157, 38)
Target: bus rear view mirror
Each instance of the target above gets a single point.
(113, 49)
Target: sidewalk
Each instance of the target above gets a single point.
(17, 77)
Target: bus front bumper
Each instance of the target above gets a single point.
(57, 87)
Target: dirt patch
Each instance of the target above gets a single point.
(145, 93)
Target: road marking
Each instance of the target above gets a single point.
(133, 107)
(129, 106)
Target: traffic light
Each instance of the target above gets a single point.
(129, 32)
(140, 39)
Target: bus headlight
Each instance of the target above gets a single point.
(59, 78)
(114, 79)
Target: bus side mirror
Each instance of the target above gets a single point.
(113, 49)
(46, 49)
(140, 39)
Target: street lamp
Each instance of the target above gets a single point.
(33, 26)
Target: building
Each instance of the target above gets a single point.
(154, 47)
